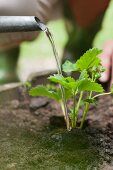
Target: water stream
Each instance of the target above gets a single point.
(50, 37)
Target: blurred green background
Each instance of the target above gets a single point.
(41, 46)
(37, 55)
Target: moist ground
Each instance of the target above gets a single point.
(33, 136)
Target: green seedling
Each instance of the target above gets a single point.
(79, 90)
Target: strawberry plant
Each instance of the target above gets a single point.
(79, 90)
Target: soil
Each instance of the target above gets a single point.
(33, 136)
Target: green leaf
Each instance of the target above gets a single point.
(68, 83)
(69, 67)
(83, 75)
(56, 78)
(68, 94)
(88, 85)
(43, 91)
(72, 85)
(91, 101)
(89, 59)
(69, 79)
(84, 85)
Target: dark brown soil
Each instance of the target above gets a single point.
(100, 120)
(38, 113)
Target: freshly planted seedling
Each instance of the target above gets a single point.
(79, 90)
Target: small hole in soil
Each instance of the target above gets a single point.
(85, 125)
(57, 122)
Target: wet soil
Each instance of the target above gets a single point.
(33, 136)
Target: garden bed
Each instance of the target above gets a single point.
(33, 135)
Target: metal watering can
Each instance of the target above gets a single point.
(20, 24)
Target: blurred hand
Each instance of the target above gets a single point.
(107, 62)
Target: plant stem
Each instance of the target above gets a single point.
(85, 111)
(80, 98)
(103, 94)
(64, 106)
(84, 115)
(74, 103)
(63, 110)
(90, 94)
(78, 106)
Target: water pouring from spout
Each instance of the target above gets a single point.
(65, 110)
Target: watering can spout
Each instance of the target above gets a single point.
(41, 25)
(21, 24)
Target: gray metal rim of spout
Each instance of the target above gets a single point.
(41, 24)
(21, 24)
